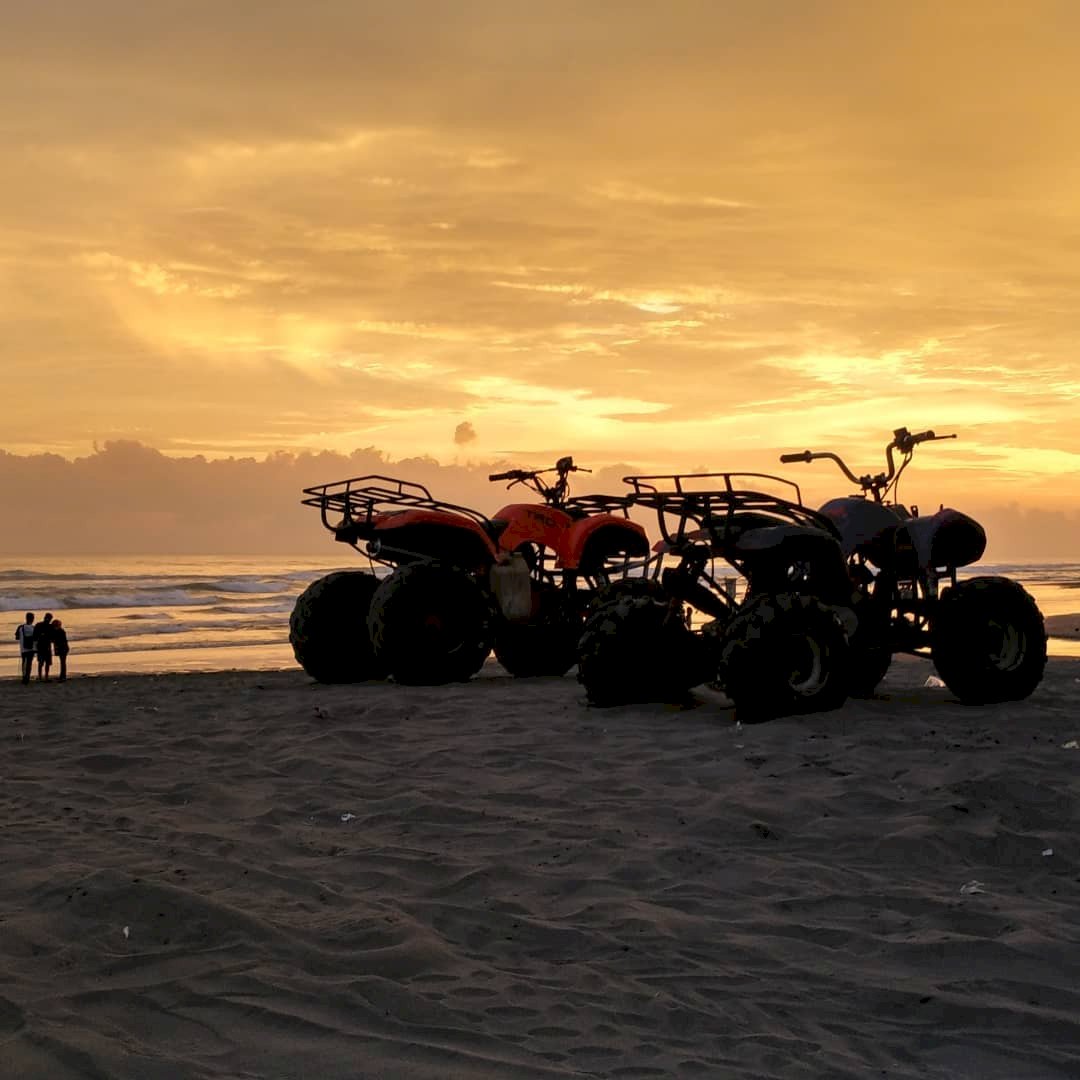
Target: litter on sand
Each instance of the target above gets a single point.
(1072, 744)
(348, 817)
(935, 682)
(1048, 851)
(972, 887)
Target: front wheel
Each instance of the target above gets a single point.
(988, 641)
(626, 587)
(783, 654)
(431, 625)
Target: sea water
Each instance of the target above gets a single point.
(159, 613)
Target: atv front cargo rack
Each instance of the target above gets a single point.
(587, 505)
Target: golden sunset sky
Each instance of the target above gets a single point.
(680, 235)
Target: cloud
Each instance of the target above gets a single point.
(464, 433)
(128, 498)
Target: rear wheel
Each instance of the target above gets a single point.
(328, 628)
(988, 641)
(547, 643)
(430, 625)
(784, 654)
(636, 648)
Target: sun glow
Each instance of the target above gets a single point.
(373, 243)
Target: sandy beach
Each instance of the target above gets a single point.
(249, 875)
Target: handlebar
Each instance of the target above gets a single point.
(562, 467)
(902, 440)
(905, 442)
(811, 455)
(553, 494)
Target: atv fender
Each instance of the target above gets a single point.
(864, 526)
(432, 534)
(527, 523)
(786, 537)
(769, 551)
(588, 543)
(947, 538)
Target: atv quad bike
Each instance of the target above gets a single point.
(431, 621)
(461, 583)
(555, 557)
(779, 649)
(985, 635)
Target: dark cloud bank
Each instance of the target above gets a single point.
(127, 498)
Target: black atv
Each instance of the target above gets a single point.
(776, 645)
(985, 635)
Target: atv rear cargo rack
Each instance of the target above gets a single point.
(715, 507)
(359, 499)
(646, 484)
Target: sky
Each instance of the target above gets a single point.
(678, 236)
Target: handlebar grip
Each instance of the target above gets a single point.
(909, 442)
(789, 459)
(501, 476)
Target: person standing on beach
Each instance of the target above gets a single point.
(60, 646)
(43, 645)
(24, 635)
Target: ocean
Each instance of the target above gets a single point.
(213, 613)
(160, 613)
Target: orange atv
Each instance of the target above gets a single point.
(567, 549)
(461, 583)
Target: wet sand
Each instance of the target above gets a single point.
(1063, 626)
(248, 875)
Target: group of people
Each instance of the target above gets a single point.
(41, 641)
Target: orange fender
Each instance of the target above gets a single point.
(528, 523)
(601, 536)
(436, 533)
